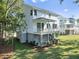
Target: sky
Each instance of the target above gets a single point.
(67, 9)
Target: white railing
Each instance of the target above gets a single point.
(69, 27)
(35, 17)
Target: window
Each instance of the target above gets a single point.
(54, 26)
(65, 21)
(31, 12)
(49, 15)
(48, 26)
(69, 26)
(35, 12)
(61, 20)
(40, 26)
(71, 21)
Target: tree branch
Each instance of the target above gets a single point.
(7, 10)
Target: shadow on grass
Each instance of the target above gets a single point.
(6, 47)
(23, 51)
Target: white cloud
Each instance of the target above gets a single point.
(34, 1)
(66, 10)
(43, 0)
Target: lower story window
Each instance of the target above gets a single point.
(40, 26)
(54, 26)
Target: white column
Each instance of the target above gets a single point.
(41, 35)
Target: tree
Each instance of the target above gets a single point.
(75, 1)
(11, 15)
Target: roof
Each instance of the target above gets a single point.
(42, 10)
(42, 19)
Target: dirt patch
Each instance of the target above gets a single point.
(6, 51)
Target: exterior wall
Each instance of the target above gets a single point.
(28, 18)
(22, 36)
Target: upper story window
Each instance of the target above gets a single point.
(61, 20)
(49, 15)
(69, 26)
(35, 12)
(31, 12)
(54, 26)
(71, 21)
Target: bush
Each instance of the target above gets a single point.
(55, 34)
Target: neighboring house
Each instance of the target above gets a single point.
(40, 26)
(69, 26)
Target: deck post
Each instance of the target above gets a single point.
(41, 35)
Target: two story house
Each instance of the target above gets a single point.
(40, 25)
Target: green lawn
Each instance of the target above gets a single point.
(68, 48)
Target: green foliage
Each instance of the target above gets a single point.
(67, 49)
(11, 13)
(75, 1)
(55, 34)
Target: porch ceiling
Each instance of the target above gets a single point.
(42, 19)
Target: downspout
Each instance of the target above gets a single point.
(48, 32)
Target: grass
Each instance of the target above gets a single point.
(68, 48)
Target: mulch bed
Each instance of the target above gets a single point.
(5, 51)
